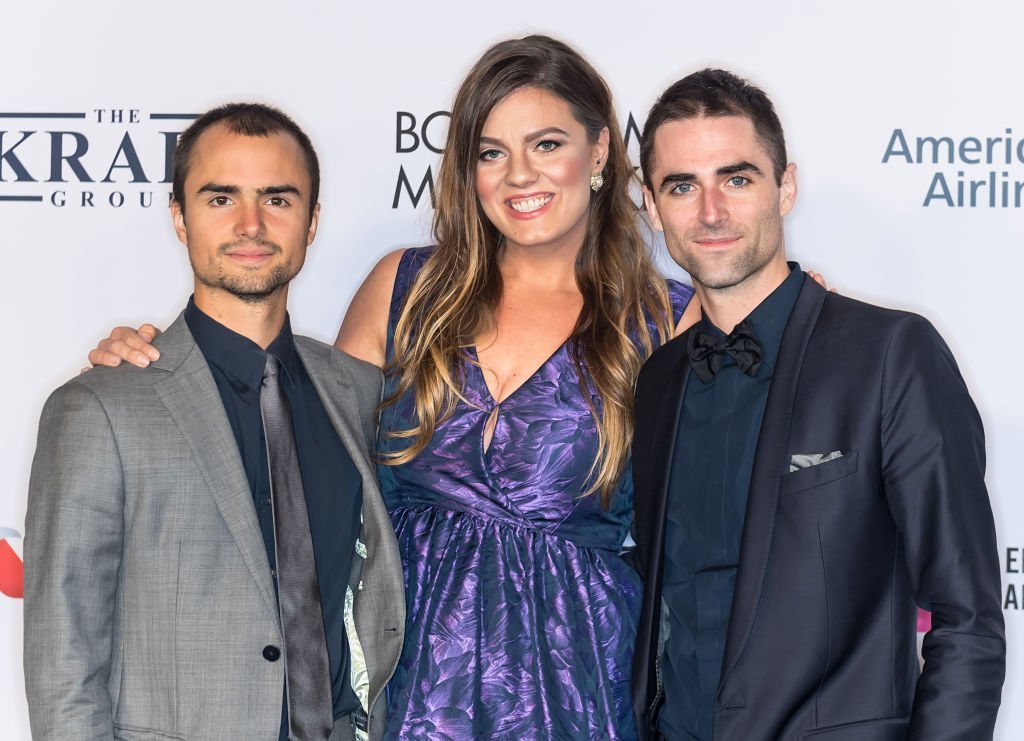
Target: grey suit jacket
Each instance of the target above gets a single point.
(148, 594)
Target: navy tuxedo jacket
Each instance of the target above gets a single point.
(836, 557)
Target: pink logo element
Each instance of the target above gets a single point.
(11, 570)
(924, 621)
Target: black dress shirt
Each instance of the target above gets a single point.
(330, 480)
(719, 427)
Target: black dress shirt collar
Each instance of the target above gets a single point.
(769, 318)
(241, 359)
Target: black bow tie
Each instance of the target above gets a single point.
(706, 351)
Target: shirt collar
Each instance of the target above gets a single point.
(770, 317)
(241, 359)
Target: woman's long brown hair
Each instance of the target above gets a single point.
(455, 294)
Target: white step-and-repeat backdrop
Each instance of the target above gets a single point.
(907, 121)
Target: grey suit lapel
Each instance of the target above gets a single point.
(328, 374)
(193, 401)
(380, 612)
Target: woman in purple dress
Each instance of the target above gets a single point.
(510, 350)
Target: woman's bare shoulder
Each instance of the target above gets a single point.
(364, 329)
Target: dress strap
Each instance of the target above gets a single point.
(408, 267)
(679, 295)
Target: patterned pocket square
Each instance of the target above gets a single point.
(806, 460)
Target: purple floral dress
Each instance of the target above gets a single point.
(521, 614)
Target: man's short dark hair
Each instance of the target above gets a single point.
(712, 93)
(247, 119)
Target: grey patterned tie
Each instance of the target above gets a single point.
(307, 673)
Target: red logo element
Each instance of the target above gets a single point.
(12, 573)
(924, 621)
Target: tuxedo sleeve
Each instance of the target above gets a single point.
(933, 458)
(73, 545)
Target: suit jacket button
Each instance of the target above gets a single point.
(271, 653)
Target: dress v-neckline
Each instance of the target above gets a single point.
(475, 360)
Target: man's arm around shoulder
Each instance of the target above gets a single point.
(933, 462)
(73, 546)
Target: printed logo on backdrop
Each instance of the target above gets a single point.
(11, 570)
(1013, 597)
(414, 133)
(963, 172)
(102, 158)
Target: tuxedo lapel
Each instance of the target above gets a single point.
(191, 397)
(770, 462)
(658, 404)
(666, 430)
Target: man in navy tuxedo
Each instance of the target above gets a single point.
(809, 469)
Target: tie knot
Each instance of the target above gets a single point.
(273, 367)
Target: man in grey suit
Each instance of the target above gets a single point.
(184, 577)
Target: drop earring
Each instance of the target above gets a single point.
(597, 179)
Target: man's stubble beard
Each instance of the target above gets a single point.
(250, 287)
(726, 275)
(722, 275)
